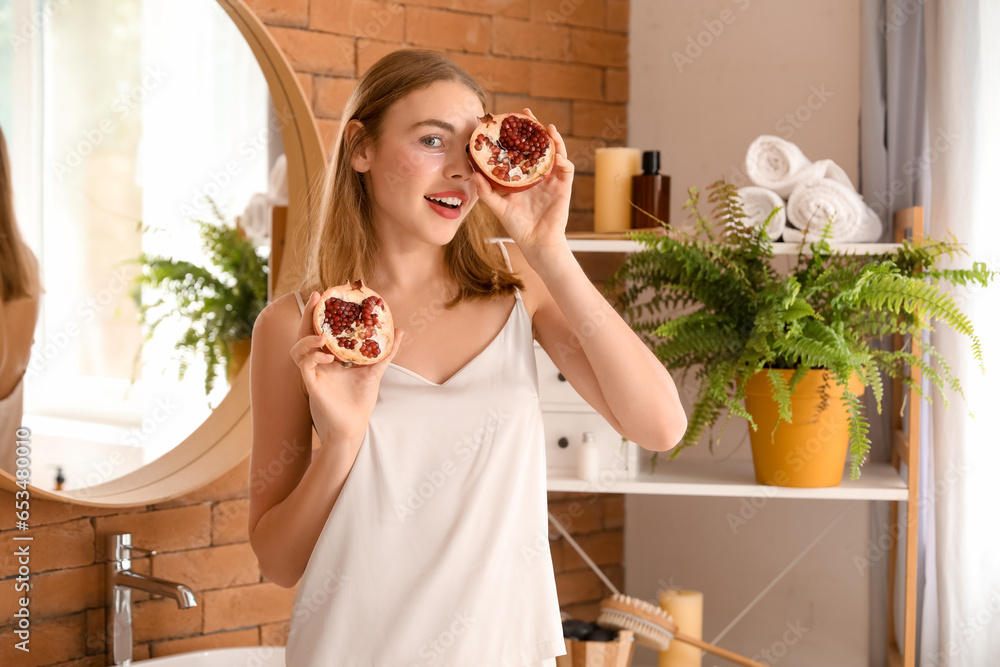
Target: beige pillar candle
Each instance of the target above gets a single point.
(613, 172)
(686, 608)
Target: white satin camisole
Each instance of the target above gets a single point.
(436, 553)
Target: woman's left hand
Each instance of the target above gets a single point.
(535, 218)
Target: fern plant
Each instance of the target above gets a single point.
(741, 316)
(220, 301)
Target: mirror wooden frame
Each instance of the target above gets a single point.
(223, 440)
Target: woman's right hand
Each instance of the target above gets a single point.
(341, 399)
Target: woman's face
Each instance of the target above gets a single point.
(419, 173)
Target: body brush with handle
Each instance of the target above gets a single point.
(652, 626)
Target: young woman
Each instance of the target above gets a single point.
(418, 527)
(19, 295)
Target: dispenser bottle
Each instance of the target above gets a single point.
(651, 193)
(588, 467)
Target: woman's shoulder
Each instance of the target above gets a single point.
(532, 281)
(280, 317)
(285, 305)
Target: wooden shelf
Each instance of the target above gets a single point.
(583, 244)
(879, 481)
(613, 242)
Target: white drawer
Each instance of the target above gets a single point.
(564, 436)
(552, 389)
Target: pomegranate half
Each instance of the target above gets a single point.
(356, 324)
(512, 151)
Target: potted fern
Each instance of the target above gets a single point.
(219, 301)
(790, 353)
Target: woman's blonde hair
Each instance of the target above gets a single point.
(343, 241)
(18, 279)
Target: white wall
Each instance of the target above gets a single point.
(778, 67)
(707, 77)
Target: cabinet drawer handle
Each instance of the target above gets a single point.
(564, 442)
(562, 378)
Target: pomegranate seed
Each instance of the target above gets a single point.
(370, 349)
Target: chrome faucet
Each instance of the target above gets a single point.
(119, 582)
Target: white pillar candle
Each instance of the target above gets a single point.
(686, 608)
(613, 172)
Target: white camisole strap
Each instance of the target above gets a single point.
(506, 257)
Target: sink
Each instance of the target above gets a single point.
(247, 656)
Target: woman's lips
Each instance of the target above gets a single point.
(444, 211)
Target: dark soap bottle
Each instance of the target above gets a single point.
(651, 193)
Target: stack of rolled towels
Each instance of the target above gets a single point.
(810, 195)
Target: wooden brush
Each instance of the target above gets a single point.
(653, 627)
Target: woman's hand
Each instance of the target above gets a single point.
(340, 399)
(535, 218)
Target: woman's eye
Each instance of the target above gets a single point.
(429, 142)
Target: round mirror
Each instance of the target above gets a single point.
(158, 150)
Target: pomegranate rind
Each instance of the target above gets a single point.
(383, 334)
(489, 125)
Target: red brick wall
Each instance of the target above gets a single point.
(567, 60)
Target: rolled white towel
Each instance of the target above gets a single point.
(823, 169)
(774, 163)
(277, 185)
(758, 203)
(256, 218)
(791, 235)
(814, 203)
(870, 231)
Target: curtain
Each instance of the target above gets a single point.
(963, 107)
(894, 143)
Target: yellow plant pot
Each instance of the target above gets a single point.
(812, 450)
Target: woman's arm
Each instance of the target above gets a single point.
(597, 351)
(291, 494)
